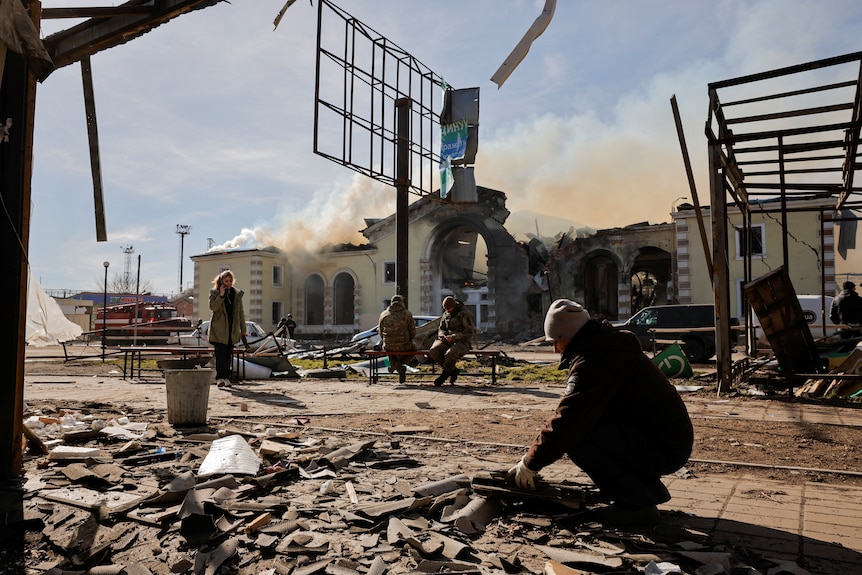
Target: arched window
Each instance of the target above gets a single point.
(343, 292)
(314, 300)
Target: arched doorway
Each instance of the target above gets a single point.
(463, 270)
(343, 296)
(314, 300)
(651, 278)
(600, 288)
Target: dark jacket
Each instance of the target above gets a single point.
(397, 328)
(218, 331)
(458, 323)
(611, 380)
(846, 308)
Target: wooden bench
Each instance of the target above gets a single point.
(374, 361)
(132, 352)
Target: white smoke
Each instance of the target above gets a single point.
(331, 218)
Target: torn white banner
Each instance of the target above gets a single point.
(520, 51)
(280, 14)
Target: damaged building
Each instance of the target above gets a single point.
(456, 248)
(464, 249)
(461, 249)
(617, 271)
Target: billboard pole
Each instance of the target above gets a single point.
(402, 189)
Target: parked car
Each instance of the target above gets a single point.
(426, 325)
(699, 345)
(254, 333)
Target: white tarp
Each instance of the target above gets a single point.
(46, 324)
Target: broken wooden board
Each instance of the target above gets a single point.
(409, 429)
(776, 305)
(495, 483)
(111, 502)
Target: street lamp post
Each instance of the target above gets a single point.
(105, 311)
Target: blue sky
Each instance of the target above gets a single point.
(207, 121)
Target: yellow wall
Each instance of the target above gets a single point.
(803, 253)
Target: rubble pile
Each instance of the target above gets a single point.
(837, 386)
(105, 494)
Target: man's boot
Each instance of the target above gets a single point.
(441, 378)
(453, 375)
(402, 374)
(659, 492)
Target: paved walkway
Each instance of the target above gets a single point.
(816, 523)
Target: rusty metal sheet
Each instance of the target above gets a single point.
(776, 305)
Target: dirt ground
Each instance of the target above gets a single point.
(799, 452)
(445, 443)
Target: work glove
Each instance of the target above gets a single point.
(524, 477)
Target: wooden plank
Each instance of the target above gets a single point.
(93, 138)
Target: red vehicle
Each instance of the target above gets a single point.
(155, 323)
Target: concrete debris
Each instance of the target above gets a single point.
(247, 501)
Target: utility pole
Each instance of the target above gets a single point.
(183, 231)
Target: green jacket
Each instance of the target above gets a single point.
(218, 332)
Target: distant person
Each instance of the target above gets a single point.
(227, 325)
(291, 325)
(397, 330)
(454, 338)
(286, 326)
(620, 419)
(847, 310)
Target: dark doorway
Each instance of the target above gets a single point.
(600, 288)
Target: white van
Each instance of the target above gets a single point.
(813, 307)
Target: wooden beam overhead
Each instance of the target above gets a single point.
(94, 12)
(103, 32)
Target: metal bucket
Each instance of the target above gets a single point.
(188, 394)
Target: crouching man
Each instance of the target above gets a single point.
(620, 419)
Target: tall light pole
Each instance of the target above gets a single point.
(183, 231)
(105, 311)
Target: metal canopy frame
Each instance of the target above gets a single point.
(786, 134)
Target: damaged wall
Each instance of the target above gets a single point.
(463, 249)
(805, 263)
(600, 270)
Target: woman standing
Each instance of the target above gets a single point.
(227, 325)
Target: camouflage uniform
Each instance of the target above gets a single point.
(397, 330)
(458, 323)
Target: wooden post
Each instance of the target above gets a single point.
(17, 102)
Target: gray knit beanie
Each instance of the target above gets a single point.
(564, 319)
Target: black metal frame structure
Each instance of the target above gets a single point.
(784, 134)
(356, 117)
